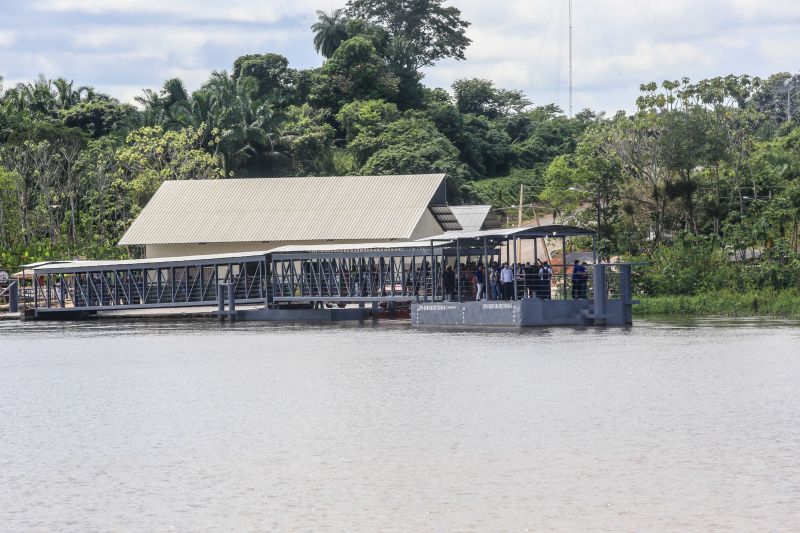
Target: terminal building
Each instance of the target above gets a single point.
(202, 217)
(336, 248)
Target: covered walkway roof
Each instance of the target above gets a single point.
(527, 232)
(362, 249)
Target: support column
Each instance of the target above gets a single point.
(221, 301)
(486, 282)
(564, 264)
(600, 294)
(516, 294)
(458, 269)
(232, 301)
(13, 296)
(626, 292)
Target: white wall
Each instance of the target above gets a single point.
(426, 227)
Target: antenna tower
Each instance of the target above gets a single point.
(570, 58)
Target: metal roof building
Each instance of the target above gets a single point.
(193, 217)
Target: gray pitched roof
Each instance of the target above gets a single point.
(473, 217)
(285, 209)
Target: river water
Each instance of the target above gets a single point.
(157, 426)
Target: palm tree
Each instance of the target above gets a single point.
(176, 104)
(66, 96)
(170, 107)
(329, 31)
(39, 96)
(246, 128)
(152, 107)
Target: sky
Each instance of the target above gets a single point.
(123, 46)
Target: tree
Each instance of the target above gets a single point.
(411, 145)
(354, 72)
(274, 79)
(482, 98)
(363, 122)
(98, 117)
(310, 140)
(592, 175)
(421, 31)
(170, 107)
(152, 155)
(246, 130)
(330, 31)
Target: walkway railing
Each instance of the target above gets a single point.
(147, 284)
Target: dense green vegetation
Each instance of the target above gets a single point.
(726, 303)
(701, 182)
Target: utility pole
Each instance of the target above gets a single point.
(790, 83)
(570, 58)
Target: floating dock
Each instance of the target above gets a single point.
(349, 282)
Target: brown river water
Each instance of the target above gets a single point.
(192, 426)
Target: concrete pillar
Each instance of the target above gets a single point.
(13, 297)
(232, 301)
(221, 301)
(626, 292)
(600, 294)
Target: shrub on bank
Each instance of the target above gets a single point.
(700, 265)
(729, 303)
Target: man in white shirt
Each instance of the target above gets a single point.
(507, 281)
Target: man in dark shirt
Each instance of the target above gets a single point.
(449, 283)
(577, 278)
(480, 283)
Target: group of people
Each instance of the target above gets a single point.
(533, 280)
(474, 281)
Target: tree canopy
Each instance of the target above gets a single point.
(708, 167)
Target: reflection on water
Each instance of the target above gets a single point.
(196, 425)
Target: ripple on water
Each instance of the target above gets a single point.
(687, 424)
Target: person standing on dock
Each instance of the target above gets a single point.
(480, 282)
(577, 278)
(546, 274)
(583, 290)
(449, 283)
(507, 281)
(494, 281)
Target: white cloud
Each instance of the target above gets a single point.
(126, 45)
(6, 38)
(231, 10)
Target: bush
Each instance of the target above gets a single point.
(691, 264)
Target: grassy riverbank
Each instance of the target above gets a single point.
(724, 303)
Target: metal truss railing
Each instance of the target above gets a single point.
(145, 285)
(403, 276)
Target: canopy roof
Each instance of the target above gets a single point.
(444, 240)
(475, 217)
(526, 232)
(350, 208)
